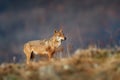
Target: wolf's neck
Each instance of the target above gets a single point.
(55, 42)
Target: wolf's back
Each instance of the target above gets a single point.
(37, 42)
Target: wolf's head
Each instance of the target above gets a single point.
(59, 35)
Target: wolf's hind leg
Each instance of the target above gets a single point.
(28, 58)
(27, 52)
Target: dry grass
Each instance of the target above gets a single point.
(85, 64)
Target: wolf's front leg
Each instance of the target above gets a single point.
(49, 56)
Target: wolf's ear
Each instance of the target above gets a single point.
(61, 30)
(55, 31)
(61, 26)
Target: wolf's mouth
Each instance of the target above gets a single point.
(63, 39)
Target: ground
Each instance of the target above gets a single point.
(85, 64)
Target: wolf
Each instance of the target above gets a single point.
(44, 47)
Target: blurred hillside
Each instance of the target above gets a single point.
(85, 64)
(84, 22)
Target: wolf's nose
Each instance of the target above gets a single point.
(65, 38)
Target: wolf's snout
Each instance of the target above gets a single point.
(65, 38)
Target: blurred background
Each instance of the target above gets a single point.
(84, 22)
